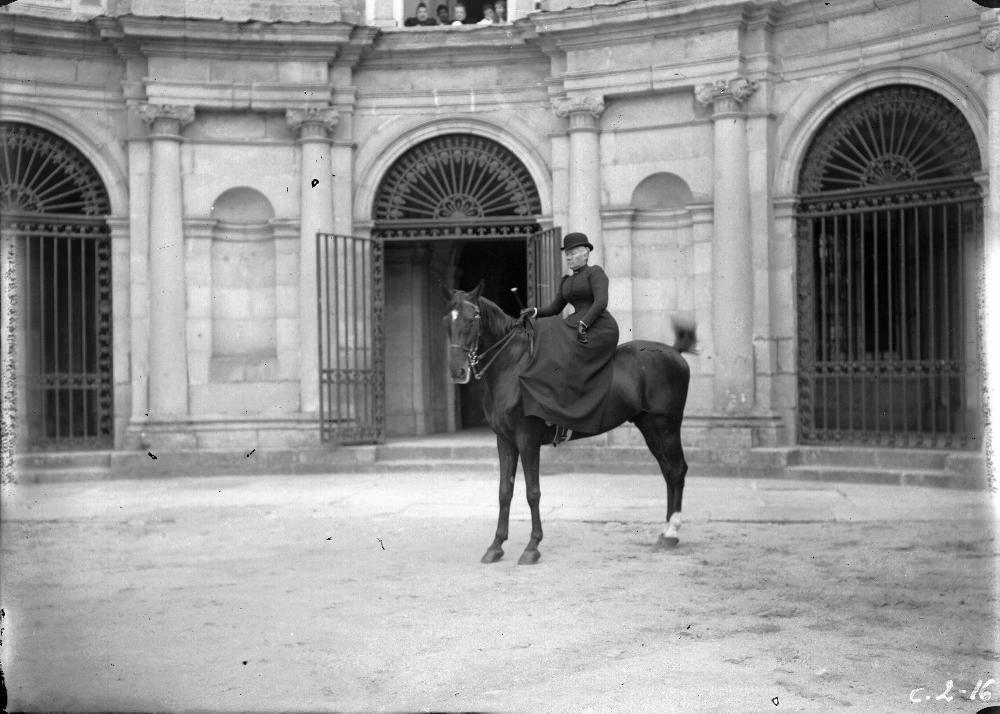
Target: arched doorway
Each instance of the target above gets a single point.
(54, 229)
(889, 245)
(452, 210)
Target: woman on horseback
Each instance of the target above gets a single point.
(565, 383)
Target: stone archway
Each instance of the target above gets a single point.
(55, 234)
(455, 177)
(889, 234)
(436, 208)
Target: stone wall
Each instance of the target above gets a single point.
(671, 131)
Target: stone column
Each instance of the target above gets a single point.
(313, 125)
(168, 368)
(732, 264)
(584, 166)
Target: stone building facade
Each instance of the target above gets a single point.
(815, 183)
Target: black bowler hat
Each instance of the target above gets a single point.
(575, 240)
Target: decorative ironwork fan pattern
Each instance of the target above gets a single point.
(458, 176)
(893, 135)
(42, 173)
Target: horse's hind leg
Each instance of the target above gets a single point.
(663, 437)
(508, 468)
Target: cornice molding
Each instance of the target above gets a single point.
(229, 96)
(53, 38)
(220, 39)
(594, 25)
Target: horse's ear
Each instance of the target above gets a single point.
(474, 295)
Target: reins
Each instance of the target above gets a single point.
(475, 357)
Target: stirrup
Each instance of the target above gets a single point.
(562, 435)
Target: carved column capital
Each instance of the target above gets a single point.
(583, 112)
(313, 122)
(165, 120)
(991, 38)
(726, 95)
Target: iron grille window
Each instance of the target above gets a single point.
(53, 203)
(455, 177)
(887, 246)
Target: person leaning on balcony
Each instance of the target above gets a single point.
(488, 16)
(460, 15)
(442, 15)
(423, 18)
(500, 11)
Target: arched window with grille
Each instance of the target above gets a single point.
(889, 239)
(54, 229)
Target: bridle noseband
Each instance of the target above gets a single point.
(472, 353)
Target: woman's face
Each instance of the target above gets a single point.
(577, 257)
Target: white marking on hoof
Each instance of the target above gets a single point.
(673, 526)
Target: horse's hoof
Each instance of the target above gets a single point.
(529, 557)
(492, 555)
(665, 543)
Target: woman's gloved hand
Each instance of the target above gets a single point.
(581, 333)
(528, 312)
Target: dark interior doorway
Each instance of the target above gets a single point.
(502, 265)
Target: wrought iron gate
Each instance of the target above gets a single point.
(544, 265)
(62, 276)
(889, 234)
(883, 298)
(349, 273)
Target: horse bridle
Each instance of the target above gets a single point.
(472, 353)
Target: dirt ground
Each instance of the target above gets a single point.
(258, 594)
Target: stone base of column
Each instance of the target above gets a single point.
(159, 436)
(216, 434)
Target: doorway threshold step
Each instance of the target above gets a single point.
(898, 476)
(869, 458)
(63, 475)
(436, 465)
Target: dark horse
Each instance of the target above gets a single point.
(649, 389)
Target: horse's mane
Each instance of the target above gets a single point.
(495, 320)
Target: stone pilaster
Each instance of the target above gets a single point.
(617, 262)
(314, 126)
(168, 367)
(584, 166)
(732, 254)
(989, 313)
(121, 281)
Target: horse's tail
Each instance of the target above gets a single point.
(685, 335)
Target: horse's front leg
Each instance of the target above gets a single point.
(508, 468)
(529, 443)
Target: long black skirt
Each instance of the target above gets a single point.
(566, 383)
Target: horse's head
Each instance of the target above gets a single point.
(462, 323)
